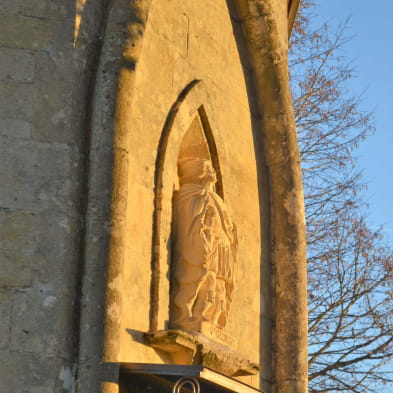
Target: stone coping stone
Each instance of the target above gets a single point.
(194, 348)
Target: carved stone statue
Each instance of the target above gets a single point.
(205, 247)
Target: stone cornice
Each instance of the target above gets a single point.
(293, 6)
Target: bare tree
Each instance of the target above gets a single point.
(350, 269)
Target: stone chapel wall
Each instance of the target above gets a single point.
(86, 88)
(45, 73)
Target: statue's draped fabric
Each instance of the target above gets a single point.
(204, 249)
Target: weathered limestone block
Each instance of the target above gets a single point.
(17, 268)
(15, 128)
(26, 33)
(38, 310)
(5, 315)
(57, 9)
(26, 372)
(43, 244)
(17, 65)
(54, 122)
(28, 182)
(17, 100)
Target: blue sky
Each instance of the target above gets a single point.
(371, 52)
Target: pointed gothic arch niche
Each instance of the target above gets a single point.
(182, 135)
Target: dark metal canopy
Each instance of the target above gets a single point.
(164, 378)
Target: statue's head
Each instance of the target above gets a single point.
(197, 170)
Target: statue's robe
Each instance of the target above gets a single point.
(204, 250)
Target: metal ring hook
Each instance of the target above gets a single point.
(184, 381)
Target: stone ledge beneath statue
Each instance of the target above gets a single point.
(217, 334)
(195, 348)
